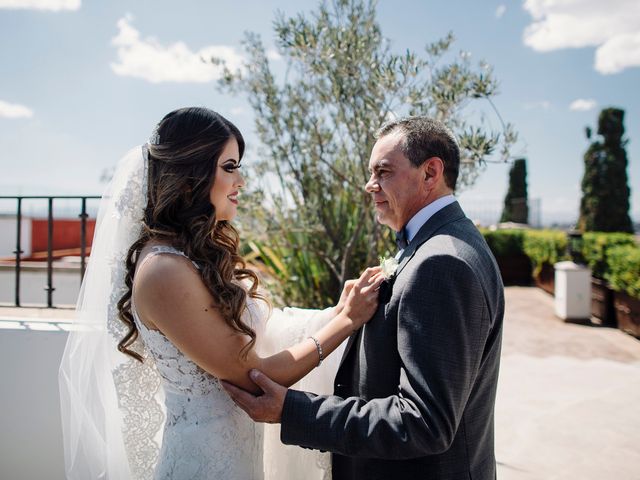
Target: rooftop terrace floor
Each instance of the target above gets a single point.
(568, 395)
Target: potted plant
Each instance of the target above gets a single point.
(506, 246)
(545, 248)
(624, 277)
(596, 246)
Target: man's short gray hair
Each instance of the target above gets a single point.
(424, 138)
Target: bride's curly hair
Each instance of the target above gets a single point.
(181, 171)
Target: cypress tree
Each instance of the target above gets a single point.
(604, 206)
(516, 208)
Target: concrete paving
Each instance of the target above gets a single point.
(568, 402)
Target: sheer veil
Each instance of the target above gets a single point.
(111, 404)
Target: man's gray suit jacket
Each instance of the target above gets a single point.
(415, 392)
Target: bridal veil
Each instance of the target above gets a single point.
(112, 405)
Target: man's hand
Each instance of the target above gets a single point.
(267, 407)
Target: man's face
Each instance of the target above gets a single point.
(398, 187)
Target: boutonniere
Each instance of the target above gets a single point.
(389, 266)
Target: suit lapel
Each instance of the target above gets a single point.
(448, 214)
(347, 349)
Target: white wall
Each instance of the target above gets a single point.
(8, 236)
(30, 426)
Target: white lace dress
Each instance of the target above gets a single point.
(205, 435)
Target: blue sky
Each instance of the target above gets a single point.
(82, 82)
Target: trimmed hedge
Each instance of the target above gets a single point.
(623, 273)
(614, 257)
(545, 246)
(505, 242)
(596, 246)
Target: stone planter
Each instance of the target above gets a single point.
(515, 269)
(602, 302)
(546, 278)
(627, 312)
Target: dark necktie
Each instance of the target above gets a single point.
(401, 239)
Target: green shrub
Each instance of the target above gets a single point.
(505, 242)
(314, 133)
(596, 247)
(545, 246)
(624, 269)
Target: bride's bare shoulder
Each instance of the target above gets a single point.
(156, 272)
(166, 280)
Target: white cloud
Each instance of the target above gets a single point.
(613, 26)
(500, 11)
(583, 105)
(53, 5)
(619, 53)
(543, 104)
(13, 110)
(148, 59)
(272, 54)
(237, 111)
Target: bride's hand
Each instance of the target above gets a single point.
(362, 296)
(348, 286)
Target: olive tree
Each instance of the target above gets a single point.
(312, 225)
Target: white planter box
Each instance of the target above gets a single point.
(572, 291)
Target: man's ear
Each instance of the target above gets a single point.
(433, 169)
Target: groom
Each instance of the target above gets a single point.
(415, 392)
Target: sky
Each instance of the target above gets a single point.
(83, 81)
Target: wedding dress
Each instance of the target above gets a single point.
(206, 436)
(166, 418)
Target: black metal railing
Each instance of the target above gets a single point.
(49, 288)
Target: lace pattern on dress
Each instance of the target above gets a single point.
(172, 365)
(205, 434)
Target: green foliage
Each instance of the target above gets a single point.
(545, 246)
(596, 247)
(624, 269)
(505, 242)
(314, 226)
(516, 208)
(614, 257)
(605, 190)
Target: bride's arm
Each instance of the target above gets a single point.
(171, 297)
(291, 325)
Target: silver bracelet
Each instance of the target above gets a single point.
(319, 348)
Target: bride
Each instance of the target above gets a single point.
(168, 308)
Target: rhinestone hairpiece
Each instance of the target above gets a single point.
(154, 139)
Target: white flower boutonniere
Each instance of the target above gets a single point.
(388, 266)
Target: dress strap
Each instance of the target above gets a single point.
(158, 249)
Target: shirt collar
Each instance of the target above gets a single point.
(420, 218)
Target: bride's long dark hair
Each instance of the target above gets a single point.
(182, 166)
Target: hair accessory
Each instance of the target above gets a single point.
(154, 139)
(319, 348)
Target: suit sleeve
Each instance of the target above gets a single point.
(442, 328)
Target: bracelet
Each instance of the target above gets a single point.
(319, 348)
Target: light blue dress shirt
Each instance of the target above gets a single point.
(420, 218)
